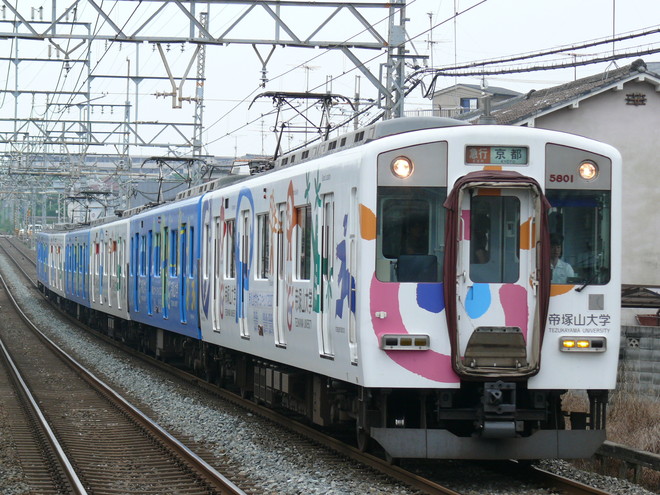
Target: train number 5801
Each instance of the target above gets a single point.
(561, 178)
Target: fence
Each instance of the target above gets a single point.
(640, 359)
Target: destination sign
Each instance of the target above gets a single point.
(496, 155)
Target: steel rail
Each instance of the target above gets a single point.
(74, 481)
(204, 469)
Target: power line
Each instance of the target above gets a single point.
(301, 65)
(562, 49)
(553, 66)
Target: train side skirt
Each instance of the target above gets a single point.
(441, 444)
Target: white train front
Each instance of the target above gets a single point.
(437, 286)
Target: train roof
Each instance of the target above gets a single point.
(350, 140)
(365, 135)
(62, 227)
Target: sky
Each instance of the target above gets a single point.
(488, 30)
(483, 30)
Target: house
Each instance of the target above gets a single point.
(462, 98)
(620, 107)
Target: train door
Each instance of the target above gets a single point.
(165, 298)
(67, 268)
(60, 264)
(150, 272)
(497, 274)
(84, 268)
(95, 268)
(327, 265)
(242, 275)
(104, 283)
(79, 270)
(135, 250)
(279, 272)
(111, 271)
(183, 269)
(121, 274)
(351, 252)
(218, 275)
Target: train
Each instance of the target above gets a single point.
(432, 286)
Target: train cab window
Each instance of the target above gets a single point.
(303, 247)
(494, 239)
(579, 224)
(410, 234)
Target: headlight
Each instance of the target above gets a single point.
(588, 170)
(402, 167)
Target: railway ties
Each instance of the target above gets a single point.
(103, 445)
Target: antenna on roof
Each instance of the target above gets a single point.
(613, 62)
(485, 117)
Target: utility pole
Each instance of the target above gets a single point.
(396, 55)
(199, 95)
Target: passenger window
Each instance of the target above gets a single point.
(183, 262)
(174, 252)
(230, 258)
(263, 257)
(157, 255)
(143, 255)
(304, 243)
(579, 224)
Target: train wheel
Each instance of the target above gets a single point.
(392, 461)
(364, 441)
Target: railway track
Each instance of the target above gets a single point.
(422, 482)
(92, 440)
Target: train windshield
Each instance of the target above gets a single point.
(410, 236)
(580, 236)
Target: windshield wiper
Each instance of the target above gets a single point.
(590, 281)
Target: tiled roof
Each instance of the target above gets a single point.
(522, 107)
(495, 90)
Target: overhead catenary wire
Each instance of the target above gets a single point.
(301, 65)
(561, 49)
(480, 69)
(479, 66)
(333, 78)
